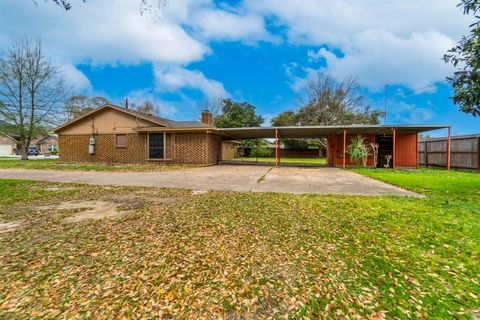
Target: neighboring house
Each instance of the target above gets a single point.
(7, 145)
(48, 144)
(111, 134)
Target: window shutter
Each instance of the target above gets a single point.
(121, 140)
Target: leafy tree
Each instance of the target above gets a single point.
(31, 91)
(239, 114)
(259, 148)
(236, 115)
(465, 56)
(76, 106)
(285, 119)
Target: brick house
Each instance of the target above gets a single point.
(111, 134)
(48, 144)
(8, 145)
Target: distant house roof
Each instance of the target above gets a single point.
(44, 139)
(8, 136)
(163, 122)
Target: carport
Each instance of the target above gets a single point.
(400, 140)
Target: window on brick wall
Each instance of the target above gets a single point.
(156, 145)
(121, 141)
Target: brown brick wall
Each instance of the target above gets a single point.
(187, 148)
(190, 148)
(214, 148)
(74, 148)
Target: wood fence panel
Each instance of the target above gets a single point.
(465, 152)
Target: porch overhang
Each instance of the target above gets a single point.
(306, 132)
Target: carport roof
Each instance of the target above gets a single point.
(322, 131)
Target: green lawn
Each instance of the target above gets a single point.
(315, 161)
(54, 164)
(244, 255)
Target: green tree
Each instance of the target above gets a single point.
(465, 56)
(237, 115)
(285, 119)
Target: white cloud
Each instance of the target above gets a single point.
(379, 57)
(223, 25)
(333, 22)
(395, 42)
(112, 32)
(167, 109)
(75, 78)
(101, 32)
(401, 112)
(173, 78)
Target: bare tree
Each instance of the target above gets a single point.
(146, 6)
(31, 90)
(329, 102)
(214, 105)
(78, 105)
(147, 107)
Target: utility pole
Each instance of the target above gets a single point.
(385, 107)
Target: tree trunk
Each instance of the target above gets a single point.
(24, 149)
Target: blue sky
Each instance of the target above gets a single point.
(262, 51)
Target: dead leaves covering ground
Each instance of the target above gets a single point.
(234, 255)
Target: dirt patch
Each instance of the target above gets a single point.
(9, 226)
(96, 210)
(110, 206)
(58, 188)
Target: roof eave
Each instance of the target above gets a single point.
(111, 106)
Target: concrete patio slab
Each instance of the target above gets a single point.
(228, 178)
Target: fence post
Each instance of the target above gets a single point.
(478, 154)
(449, 149)
(426, 153)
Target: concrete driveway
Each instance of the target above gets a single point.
(228, 178)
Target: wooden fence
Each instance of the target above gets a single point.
(465, 152)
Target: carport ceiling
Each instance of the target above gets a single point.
(320, 131)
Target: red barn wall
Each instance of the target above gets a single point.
(335, 149)
(406, 153)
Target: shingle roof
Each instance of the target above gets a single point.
(189, 124)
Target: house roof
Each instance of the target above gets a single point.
(42, 140)
(8, 136)
(162, 122)
(321, 131)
